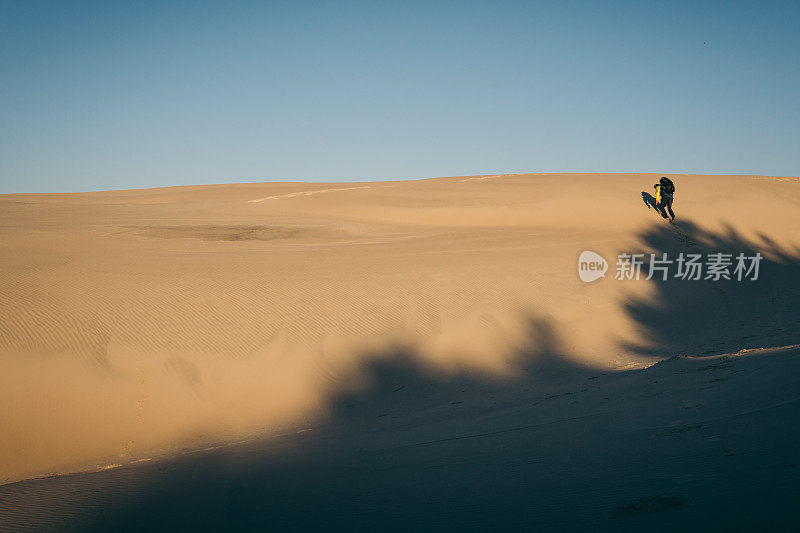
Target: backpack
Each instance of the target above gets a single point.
(667, 187)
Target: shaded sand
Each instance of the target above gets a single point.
(404, 354)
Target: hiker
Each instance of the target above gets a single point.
(664, 191)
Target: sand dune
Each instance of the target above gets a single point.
(149, 323)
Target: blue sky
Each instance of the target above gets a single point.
(107, 95)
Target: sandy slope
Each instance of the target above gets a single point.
(134, 324)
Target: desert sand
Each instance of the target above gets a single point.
(392, 355)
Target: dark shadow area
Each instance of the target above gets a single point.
(413, 448)
(554, 446)
(707, 316)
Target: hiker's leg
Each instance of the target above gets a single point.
(661, 209)
(669, 206)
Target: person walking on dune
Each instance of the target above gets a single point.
(664, 191)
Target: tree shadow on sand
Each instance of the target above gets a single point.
(707, 316)
(411, 446)
(551, 445)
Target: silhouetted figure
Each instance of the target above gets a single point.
(664, 191)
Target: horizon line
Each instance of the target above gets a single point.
(346, 181)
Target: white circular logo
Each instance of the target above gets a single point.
(591, 266)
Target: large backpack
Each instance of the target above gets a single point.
(667, 187)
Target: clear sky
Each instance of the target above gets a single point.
(106, 95)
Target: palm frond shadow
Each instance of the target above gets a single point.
(707, 317)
